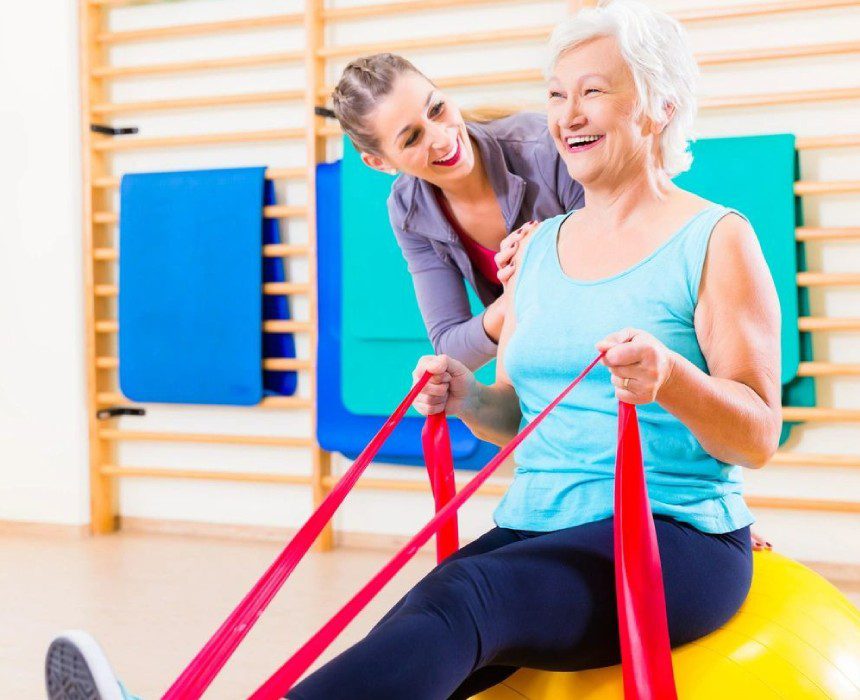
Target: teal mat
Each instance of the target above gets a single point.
(755, 175)
(382, 326)
(383, 332)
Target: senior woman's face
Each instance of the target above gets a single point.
(422, 133)
(591, 113)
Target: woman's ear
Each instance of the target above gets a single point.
(377, 163)
(658, 127)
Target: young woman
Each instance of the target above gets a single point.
(465, 185)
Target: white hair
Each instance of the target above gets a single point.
(664, 70)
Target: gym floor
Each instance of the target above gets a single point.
(152, 600)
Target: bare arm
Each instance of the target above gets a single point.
(735, 410)
(493, 412)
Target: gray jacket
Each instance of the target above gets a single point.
(530, 181)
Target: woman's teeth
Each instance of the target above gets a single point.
(448, 156)
(574, 141)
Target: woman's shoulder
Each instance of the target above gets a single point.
(400, 199)
(519, 128)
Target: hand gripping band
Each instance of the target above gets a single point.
(646, 656)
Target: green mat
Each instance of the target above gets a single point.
(382, 326)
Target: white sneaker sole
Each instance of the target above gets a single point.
(76, 668)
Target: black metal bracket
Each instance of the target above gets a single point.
(114, 411)
(113, 130)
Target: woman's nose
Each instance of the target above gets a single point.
(571, 117)
(438, 135)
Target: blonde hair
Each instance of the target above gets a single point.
(656, 49)
(366, 80)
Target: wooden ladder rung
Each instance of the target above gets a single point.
(112, 398)
(286, 288)
(284, 250)
(206, 475)
(112, 182)
(115, 435)
(201, 29)
(803, 188)
(823, 323)
(827, 233)
(274, 364)
(818, 414)
(286, 364)
(811, 504)
(827, 279)
(271, 250)
(251, 98)
(827, 369)
(137, 143)
(786, 458)
(108, 72)
(278, 326)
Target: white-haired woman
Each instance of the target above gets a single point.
(699, 353)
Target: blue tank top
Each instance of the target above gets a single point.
(565, 469)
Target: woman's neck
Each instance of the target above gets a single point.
(612, 204)
(473, 187)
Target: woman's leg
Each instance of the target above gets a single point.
(546, 601)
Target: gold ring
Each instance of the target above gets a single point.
(626, 382)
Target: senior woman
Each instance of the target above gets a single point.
(677, 293)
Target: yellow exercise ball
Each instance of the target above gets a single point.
(795, 636)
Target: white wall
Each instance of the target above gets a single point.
(42, 470)
(43, 450)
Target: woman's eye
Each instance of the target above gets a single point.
(411, 140)
(436, 109)
(553, 94)
(590, 90)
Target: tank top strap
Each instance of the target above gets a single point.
(540, 244)
(695, 244)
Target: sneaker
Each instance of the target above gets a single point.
(76, 668)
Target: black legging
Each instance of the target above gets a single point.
(515, 599)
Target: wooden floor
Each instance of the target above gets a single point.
(153, 600)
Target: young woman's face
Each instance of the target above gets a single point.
(421, 133)
(592, 113)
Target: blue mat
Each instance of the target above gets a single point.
(339, 430)
(190, 303)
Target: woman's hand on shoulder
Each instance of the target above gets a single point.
(639, 363)
(510, 251)
(449, 387)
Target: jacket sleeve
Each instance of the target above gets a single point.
(441, 294)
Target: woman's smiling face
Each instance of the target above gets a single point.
(592, 113)
(421, 133)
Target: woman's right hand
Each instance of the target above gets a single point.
(449, 387)
(509, 248)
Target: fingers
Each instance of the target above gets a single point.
(434, 395)
(622, 336)
(435, 364)
(508, 250)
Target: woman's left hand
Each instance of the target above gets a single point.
(640, 364)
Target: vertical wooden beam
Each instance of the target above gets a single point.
(94, 164)
(316, 152)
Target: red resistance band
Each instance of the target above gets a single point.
(646, 656)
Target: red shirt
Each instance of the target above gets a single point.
(482, 258)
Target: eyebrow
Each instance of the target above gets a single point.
(582, 77)
(409, 126)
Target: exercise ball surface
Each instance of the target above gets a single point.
(796, 636)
